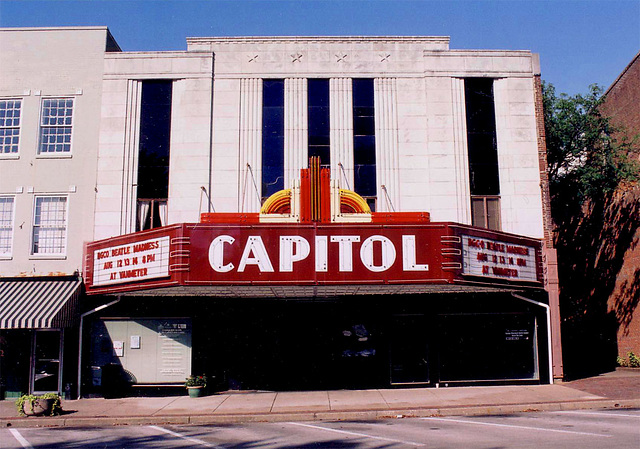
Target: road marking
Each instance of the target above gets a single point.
(544, 429)
(356, 434)
(184, 437)
(613, 413)
(20, 439)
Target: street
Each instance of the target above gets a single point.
(568, 429)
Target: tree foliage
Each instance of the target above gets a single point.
(586, 161)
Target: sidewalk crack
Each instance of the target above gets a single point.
(385, 401)
(165, 406)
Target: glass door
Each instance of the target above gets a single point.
(46, 366)
(409, 350)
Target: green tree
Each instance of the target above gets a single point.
(586, 162)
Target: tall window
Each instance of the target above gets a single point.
(6, 225)
(318, 113)
(153, 159)
(483, 153)
(50, 225)
(9, 126)
(272, 136)
(364, 140)
(56, 120)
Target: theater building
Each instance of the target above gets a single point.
(319, 212)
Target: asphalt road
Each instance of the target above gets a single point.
(539, 430)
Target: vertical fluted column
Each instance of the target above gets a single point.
(130, 166)
(386, 119)
(341, 134)
(295, 128)
(463, 189)
(250, 160)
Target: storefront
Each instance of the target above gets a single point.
(264, 303)
(38, 331)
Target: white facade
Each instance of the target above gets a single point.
(421, 144)
(216, 127)
(37, 66)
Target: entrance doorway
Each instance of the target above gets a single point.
(409, 350)
(46, 365)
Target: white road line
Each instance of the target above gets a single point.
(184, 437)
(543, 429)
(356, 434)
(599, 414)
(20, 439)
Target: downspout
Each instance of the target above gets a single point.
(548, 314)
(90, 312)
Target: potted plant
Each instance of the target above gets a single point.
(44, 404)
(195, 385)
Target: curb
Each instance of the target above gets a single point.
(350, 415)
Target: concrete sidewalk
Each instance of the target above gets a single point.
(234, 407)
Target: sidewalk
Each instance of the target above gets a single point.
(618, 389)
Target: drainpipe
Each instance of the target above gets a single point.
(548, 314)
(90, 312)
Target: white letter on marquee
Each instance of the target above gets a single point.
(345, 253)
(409, 255)
(216, 254)
(388, 253)
(321, 253)
(293, 248)
(260, 257)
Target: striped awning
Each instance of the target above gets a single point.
(33, 303)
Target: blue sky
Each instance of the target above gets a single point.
(580, 42)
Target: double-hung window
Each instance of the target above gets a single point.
(9, 126)
(56, 121)
(50, 225)
(6, 225)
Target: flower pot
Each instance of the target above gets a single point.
(39, 407)
(195, 392)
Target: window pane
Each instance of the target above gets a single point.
(56, 125)
(481, 136)
(493, 213)
(272, 136)
(9, 126)
(477, 213)
(50, 225)
(364, 140)
(6, 225)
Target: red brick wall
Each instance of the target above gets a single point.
(622, 100)
(622, 104)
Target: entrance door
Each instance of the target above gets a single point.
(409, 350)
(45, 368)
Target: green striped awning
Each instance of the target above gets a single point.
(34, 303)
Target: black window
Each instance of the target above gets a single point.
(153, 157)
(318, 113)
(364, 140)
(272, 136)
(481, 136)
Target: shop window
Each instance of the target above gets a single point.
(9, 126)
(154, 150)
(50, 225)
(485, 211)
(364, 140)
(483, 151)
(318, 120)
(56, 121)
(6, 225)
(272, 137)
